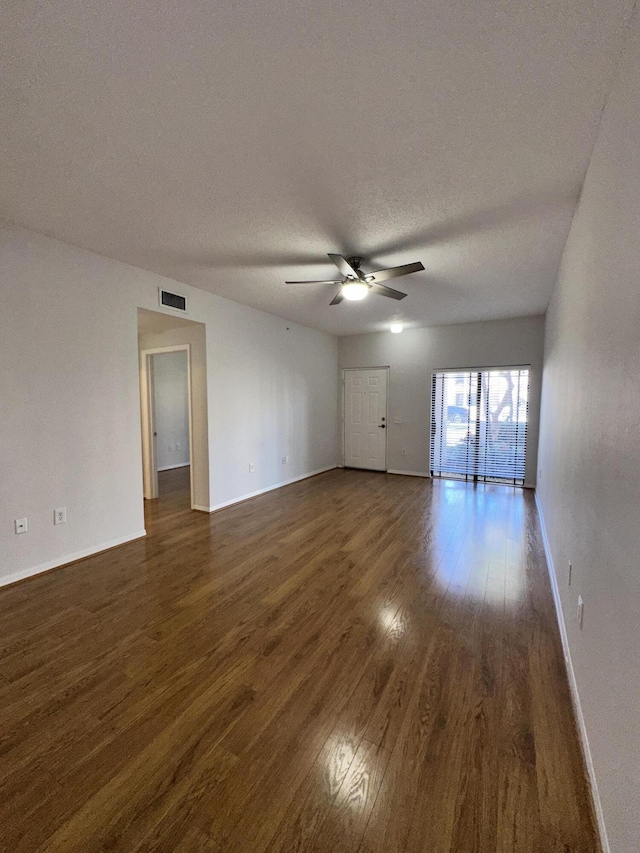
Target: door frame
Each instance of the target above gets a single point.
(147, 410)
(346, 370)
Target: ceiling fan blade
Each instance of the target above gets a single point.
(393, 272)
(383, 290)
(314, 282)
(337, 299)
(345, 267)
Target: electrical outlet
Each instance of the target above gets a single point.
(569, 573)
(60, 515)
(580, 614)
(404, 452)
(397, 420)
(285, 460)
(21, 525)
(252, 467)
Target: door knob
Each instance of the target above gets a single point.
(382, 426)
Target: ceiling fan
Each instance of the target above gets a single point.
(358, 284)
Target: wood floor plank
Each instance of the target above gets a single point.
(311, 802)
(401, 785)
(356, 662)
(343, 828)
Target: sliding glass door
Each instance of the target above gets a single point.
(479, 424)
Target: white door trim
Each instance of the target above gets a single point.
(346, 370)
(147, 397)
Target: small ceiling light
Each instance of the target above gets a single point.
(354, 291)
(396, 328)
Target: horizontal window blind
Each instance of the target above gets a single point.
(479, 422)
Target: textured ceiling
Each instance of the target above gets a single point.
(231, 145)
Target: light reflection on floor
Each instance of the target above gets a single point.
(337, 756)
(392, 620)
(474, 543)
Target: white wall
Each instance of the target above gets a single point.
(590, 450)
(171, 393)
(272, 393)
(193, 334)
(69, 390)
(415, 354)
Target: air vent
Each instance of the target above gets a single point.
(173, 300)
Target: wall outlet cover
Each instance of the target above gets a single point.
(60, 515)
(21, 525)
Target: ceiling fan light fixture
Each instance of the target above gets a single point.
(356, 284)
(396, 328)
(354, 291)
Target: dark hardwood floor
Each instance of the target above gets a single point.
(175, 480)
(356, 662)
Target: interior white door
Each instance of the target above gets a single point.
(365, 419)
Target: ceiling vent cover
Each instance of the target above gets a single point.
(173, 300)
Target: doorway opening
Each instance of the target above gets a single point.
(172, 358)
(166, 380)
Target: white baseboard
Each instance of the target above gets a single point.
(68, 558)
(171, 467)
(266, 489)
(573, 684)
(409, 473)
